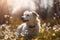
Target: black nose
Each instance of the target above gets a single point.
(22, 18)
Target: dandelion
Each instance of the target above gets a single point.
(21, 38)
(42, 30)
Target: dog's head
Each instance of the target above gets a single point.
(29, 16)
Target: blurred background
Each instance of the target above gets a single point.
(9, 23)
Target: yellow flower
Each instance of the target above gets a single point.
(21, 38)
(42, 30)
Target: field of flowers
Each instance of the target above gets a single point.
(8, 32)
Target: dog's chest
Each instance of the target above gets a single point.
(30, 30)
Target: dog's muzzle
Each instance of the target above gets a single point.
(24, 19)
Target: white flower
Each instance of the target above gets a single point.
(53, 34)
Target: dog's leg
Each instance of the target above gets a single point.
(19, 30)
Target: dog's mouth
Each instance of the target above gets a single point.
(25, 20)
(32, 26)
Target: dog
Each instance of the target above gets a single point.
(31, 26)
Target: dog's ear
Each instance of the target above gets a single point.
(35, 14)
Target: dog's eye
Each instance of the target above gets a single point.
(27, 15)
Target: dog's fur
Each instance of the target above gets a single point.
(31, 25)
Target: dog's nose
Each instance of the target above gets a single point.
(22, 18)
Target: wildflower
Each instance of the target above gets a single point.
(53, 34)
(21, 38)
(42, 30)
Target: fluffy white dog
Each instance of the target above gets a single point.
(30, 27)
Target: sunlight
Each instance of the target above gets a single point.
(10, 2)
(18, 4)
(43, 4)
(46, 3)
